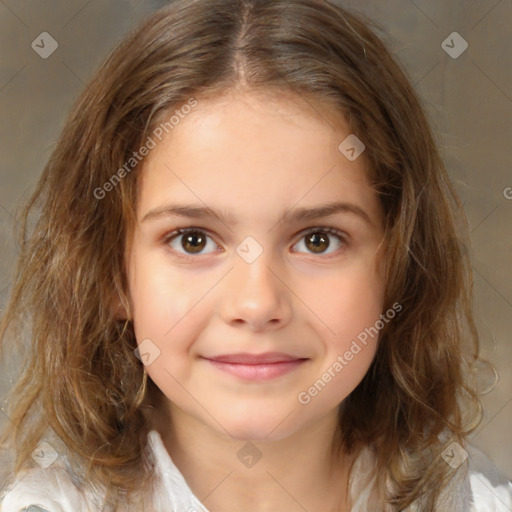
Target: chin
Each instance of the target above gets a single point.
(258, 426)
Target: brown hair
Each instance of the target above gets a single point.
(81, 369)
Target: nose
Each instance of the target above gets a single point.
(255, 295)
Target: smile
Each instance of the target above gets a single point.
(256, 366)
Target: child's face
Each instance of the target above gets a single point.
(201, 296)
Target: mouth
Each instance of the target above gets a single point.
(269, 365)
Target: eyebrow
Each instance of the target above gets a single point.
(293, 215)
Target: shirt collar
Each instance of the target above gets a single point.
(172, 489)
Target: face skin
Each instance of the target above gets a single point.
(254, 159)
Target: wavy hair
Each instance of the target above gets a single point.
(81, 377)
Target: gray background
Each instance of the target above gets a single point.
(469, 99)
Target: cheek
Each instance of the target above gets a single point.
(350, 309)
(345, 303)
(159, 313)
(170, 309)
(162, 296)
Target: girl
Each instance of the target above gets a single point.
(246, 288)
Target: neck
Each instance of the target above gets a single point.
(304, 471)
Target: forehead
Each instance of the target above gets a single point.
(243, 148)
(247, 122)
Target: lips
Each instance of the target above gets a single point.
(246, 358)
(269, 365)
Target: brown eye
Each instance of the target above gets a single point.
(317, 242)
(193, 242)
(189, 241)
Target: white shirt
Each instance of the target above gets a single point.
(54, 489)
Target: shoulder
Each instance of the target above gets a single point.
(48, 490)
(491, 491)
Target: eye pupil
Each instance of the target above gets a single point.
(318, 239)
(195, 240)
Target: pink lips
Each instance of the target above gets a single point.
(256, 366)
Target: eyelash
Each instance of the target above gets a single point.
(343, 239)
